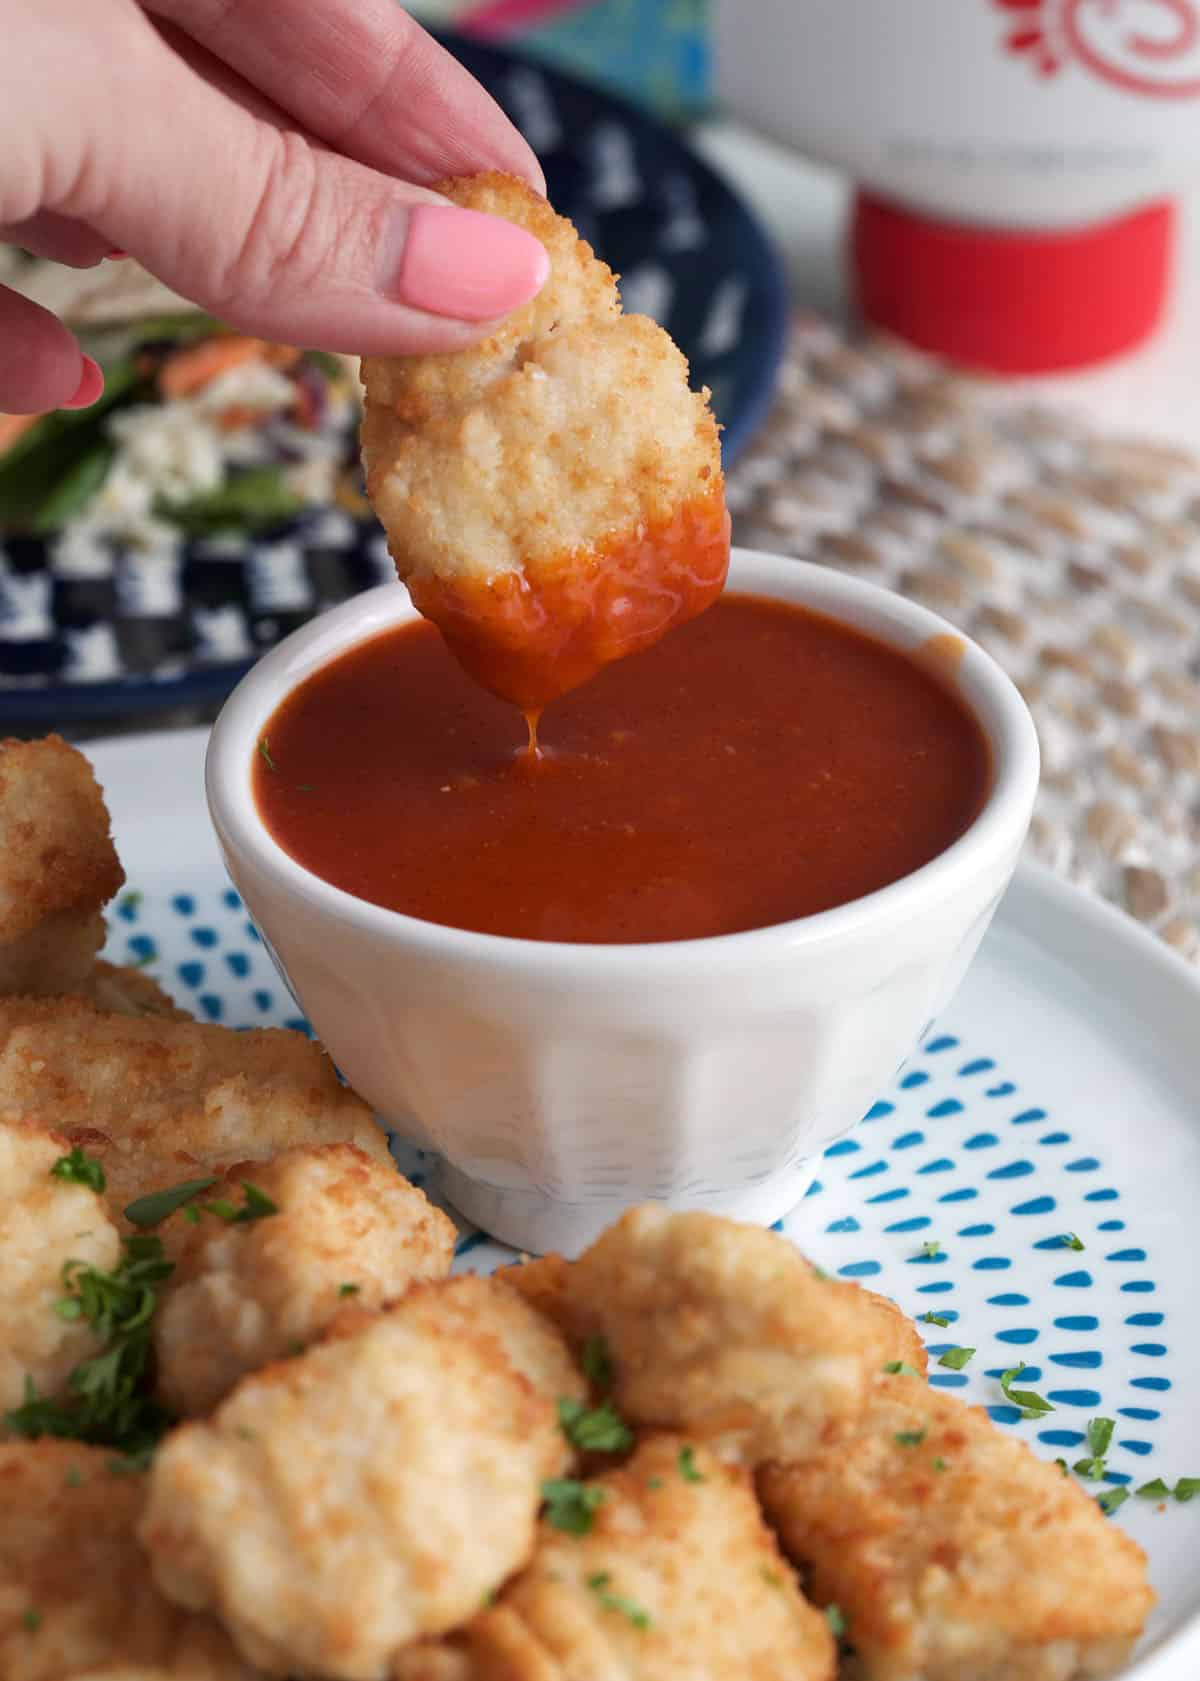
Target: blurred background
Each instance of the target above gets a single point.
(937, 264)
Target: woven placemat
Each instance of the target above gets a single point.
(1073, 557)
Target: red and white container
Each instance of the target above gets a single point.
(1015, 159)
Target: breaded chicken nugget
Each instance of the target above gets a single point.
(530, 1340)
(544, 1282)
(553, 496)
(58, 868)
(920, 1528)
(726, 1331)
(161, 1099)
(678, 1579)
(128, 992)
(45, 1222)
(347, 1227)
(365, 1495)
(75, 1592)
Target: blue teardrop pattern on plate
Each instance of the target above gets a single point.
(940, 1234)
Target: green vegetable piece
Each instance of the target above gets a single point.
(836, 1619)
(956, 1358)
(1111, 1499)
(935, 1319)
(1155, 1490)
(687, 1465)
(599, 1584)
(1031, 1404)
(151, 1210)
(593, 1429)
(901, 1368)
(78, 1169)
(1187, 1488)
(909, 1438)
(250, 501)
(571, 1505)
(597, 1363)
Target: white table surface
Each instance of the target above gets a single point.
(1155, 391)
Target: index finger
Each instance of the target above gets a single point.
(365, 78)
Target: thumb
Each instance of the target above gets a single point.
(283, 238)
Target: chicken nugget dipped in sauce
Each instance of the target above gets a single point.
(553, 496)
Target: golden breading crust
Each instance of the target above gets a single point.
(348, 1227)
(58, 868)
(162, 1099)
(726, 1331)
(44, 1222)
(75, 1591)
(679, 1579)
(954, 1553)
(544, 1282)
(367, 1494)
(126, 991)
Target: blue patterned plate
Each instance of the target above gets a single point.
(1031, 1179)
(178, 629)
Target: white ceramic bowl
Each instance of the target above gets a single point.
(561, 1083)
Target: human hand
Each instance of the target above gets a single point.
(268, 159)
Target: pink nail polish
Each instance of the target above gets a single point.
(91, 385)
(461, 263)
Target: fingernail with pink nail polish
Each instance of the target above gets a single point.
(461, 263)
(116, 254)
(91, 385)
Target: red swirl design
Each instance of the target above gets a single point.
(1181, 39)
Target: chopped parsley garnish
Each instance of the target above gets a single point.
(1063, 1467)
(107, 1401)
(349, 1289)
(1156, 1490)
(130, 901)
(1111, 1499)
(935, 1319)
(939, 1464)
(599, 1584)
(901, 1368)
(836, 1619)
(1031, 1404)
(1069, 1241)
(31, 1620)
(1099, 1436)
(593, 1429)
(909, 1438)
(151, 1210)
(597, 1363)
(265, 753)
(772, 1578)
(131, 1463)
(930, 1250)
(654, 1482)
(73, 1478)
(956, 1358)
(687, 1465)
(570, 1505)
(78, 1169)
(1185, 1489)
(257, 1206)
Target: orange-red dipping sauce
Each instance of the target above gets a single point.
(761, 763)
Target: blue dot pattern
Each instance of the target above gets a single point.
(953, 1179)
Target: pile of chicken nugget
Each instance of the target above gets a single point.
(251, 1426)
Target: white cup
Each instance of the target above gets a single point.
(562, 1083)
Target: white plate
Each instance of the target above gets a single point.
(1059, 1095)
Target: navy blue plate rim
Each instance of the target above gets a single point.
(65, 703)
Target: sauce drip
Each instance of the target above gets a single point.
(763, 763)
(530, 638)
